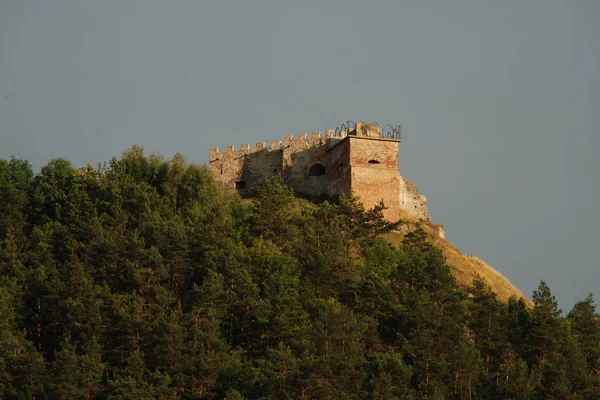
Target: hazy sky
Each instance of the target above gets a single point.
(499, 101)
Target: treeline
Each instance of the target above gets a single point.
(144, 279)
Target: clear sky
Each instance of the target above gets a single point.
(499, 100)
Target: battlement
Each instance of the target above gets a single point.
(230, 151)
(333, 136)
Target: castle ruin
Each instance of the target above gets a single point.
(359, 158)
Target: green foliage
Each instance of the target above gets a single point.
(145, 279)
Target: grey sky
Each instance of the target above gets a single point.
(499, 100)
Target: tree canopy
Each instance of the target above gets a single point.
(143, 278)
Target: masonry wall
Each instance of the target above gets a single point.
(374, 173)
(338, 172)
(242, 169)
(374, 153)
(411, 200)
(300, 154)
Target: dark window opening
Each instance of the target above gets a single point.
(317, 170)
(274, 170)
(240, 185)
(374, 162)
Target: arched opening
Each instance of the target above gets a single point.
(317, 170)
(374, 162)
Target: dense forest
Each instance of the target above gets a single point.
(143, 278)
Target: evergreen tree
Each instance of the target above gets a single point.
(22, 369)
(585, 345)
(488, 324)
(144, 279)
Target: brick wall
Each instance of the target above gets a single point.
(374, 172)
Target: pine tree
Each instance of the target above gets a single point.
(585, 353)
(548, 338)
(76, 376)
(488, 325)
(146, 279)
(275, 213)
(388, 377)
(207, 349)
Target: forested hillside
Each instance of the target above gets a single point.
(143, 279)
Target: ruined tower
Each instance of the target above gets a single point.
(368, 164)
(361, 159)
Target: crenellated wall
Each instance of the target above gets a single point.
(300, 154)
(244, 168)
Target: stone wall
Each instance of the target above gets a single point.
(338, 173)
(368, 130)
(439, 229)
(242, 169)
(305, 163)
(413, 201)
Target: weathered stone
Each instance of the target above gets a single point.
(368, 130)
(413, 201)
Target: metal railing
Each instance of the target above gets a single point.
(387, 132)
(392, 132)
(348, 126)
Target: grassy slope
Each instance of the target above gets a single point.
(464, 267)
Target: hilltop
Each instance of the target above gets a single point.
(356, 158)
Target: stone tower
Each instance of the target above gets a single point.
(367, 164)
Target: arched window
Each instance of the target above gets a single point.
(374, 162)
(317, 170)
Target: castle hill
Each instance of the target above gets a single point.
(270, 273)
(184, 215)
